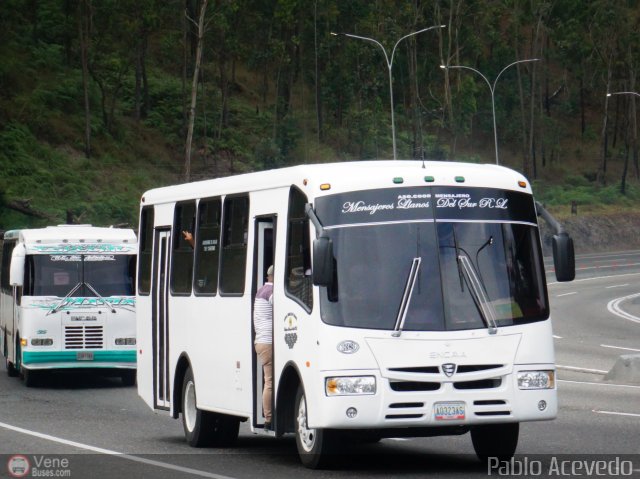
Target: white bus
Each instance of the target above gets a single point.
(67, 300)
(409, 300)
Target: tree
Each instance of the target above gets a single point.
(194, 89)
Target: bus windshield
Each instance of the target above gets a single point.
(57, 275)
(477, 266)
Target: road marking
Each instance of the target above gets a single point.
(109, 452)
(629, 386)
(615, 413)
(566, 294)
(617, 286)
(557, 337)
(619, 347)
(614, 308)
(582, 370)
(583, 268)
(595, 277)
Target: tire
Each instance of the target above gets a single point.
(495, 440)
(12, 371)
(128, 377)
(315, 446)
(30, 377)
(204, 428)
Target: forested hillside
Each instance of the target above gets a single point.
(103, 99)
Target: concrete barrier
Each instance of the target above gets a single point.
(626, 370)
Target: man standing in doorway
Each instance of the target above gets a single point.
(263, 325)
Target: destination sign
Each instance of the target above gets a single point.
(425, 204)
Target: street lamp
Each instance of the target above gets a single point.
(624, 93)
(389, 65)
(492, 88)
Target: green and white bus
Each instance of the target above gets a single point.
(67, 300)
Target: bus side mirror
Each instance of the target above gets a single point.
(564, 259)
(16, 274)
(322, 261)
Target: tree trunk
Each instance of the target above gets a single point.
(634, 124)
(194, 92)
(602, 173)
(319, 125)
(583, 122)
(84, 27)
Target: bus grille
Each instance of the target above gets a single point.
(83, 337)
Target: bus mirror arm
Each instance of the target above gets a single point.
(564, 260)
(308, 209)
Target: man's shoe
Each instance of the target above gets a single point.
(267, 426)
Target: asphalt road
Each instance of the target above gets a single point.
(102, 429)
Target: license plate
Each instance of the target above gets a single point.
(84, 356)
(448, 411)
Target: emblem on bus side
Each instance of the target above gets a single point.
(290, 330)
(348, 347)
(448, 369)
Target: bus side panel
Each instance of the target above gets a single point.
(216, 331)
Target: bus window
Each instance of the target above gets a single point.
(7, 249)
(234, 244)
(182, 251)
(146, 250)
(207, 246)
(298, 267)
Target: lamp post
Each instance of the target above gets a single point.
(623, 93)
(389, 62)
(492, 88)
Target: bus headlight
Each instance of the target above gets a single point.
(41, 342)
(125, 341)
(348, 386)
(536, 379)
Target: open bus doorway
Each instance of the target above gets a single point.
(263, 258)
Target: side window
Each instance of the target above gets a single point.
(145, 250)
(298, 266)
(235, 234)
(184, 219)
(207, 246)
(7, 249)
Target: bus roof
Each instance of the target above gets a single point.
(347, 176)
(73, 234)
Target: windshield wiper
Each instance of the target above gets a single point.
(479, 295)
(457, 250)
(94, 291)
(406, 297)
(61, 302)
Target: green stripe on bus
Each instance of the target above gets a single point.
(34, 357)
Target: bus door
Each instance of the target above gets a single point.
(160, 319)
(263, 256)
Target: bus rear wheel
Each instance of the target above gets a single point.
(495, 440)
(204, 428)
(315, 446)
(12, 371)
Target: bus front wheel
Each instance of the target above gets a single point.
(128, 377)
(30, 377)
(495, 440)
(315, 446)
